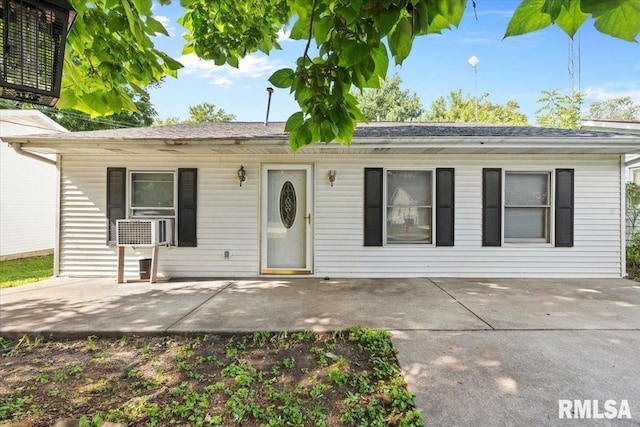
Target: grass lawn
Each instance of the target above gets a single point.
(27, 270)
(344, 378)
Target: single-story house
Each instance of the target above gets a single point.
(27, 189)
(403, 200)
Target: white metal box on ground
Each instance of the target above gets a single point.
(144, 232)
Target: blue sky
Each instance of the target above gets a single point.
(517, 68)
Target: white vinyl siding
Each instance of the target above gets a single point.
(28, 199)
(229, 220)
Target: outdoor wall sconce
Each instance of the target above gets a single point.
(242, 175)
(332, 177)
(33, 34)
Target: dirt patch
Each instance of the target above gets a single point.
(336, 379)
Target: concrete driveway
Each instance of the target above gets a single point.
(499, 352)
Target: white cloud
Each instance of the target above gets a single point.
(252, 67)
(284, 34)
(613, 90)
(166, 21)
(495, 12)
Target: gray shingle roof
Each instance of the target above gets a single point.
(375, 138)
(275, 130)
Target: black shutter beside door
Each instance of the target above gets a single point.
(373, 206)
(187, 207)
(116, 201)
(491, 207)
(445, 206)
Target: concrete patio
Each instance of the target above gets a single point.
(494, 352)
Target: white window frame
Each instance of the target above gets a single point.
(131, 210)
(386, 206)
(548, 240)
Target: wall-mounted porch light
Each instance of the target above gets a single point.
(332, 177)
(33, 34)
(242, 175)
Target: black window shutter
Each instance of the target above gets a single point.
(445, 206)
(491, 207)
(187, 207)
(564, 208)
(373, 206)
(116, 200)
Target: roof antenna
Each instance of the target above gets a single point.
(266, 120)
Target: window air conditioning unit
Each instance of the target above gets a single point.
(144, 232)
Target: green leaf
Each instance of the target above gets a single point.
(282, 78)
(294, 122)
(233, 61)
(387, 19)
(352, 53)
(300, 30)
(169, 62)
(133, 19)
(571, 19)
(401, 39)
(322, 28)
(381, 59)
(554, 7)
(347, 12)
(328, 130)
(143, 7)
(619, 18)
(528, 17)
(438, 24)
(452, 10)
(599, 7)
(156, 27)
(301, 137)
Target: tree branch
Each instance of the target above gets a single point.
(313, 12)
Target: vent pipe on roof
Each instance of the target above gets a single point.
(266, 120)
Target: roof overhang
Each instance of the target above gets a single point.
(611, 125)
(376, 138)
(417, 145)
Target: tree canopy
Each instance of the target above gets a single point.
(621, 108)
(78, 121)
(389, 103)
(462, 108)
(110, 47)
(204, 112)
(559, 110)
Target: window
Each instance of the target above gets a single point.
(166, 194)
(153, 194)
(408, 206)
(399, 206)
(527, 207)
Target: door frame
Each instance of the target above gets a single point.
(310, 205)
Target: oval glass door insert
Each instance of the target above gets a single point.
(288, 204)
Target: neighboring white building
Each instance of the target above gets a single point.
(27, 189)
(409, 200)
(633, 168)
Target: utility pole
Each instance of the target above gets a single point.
(473, 61)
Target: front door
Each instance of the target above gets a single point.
(287, 221)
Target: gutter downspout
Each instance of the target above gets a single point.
(623, 216)
(17, 147)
